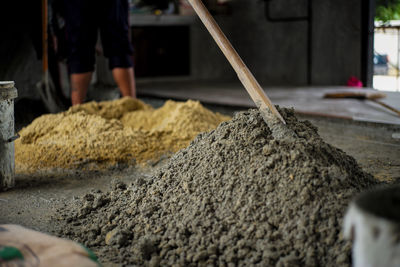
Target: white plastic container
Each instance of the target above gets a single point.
(7, 136)
(373, 223)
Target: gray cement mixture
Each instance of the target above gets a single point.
(235, 196)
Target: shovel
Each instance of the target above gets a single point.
(374, 97)
(254, 89)
(49, 95)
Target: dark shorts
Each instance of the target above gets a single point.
(83, 20)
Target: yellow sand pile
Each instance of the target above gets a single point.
(123, 130)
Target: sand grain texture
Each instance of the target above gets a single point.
(111, 132)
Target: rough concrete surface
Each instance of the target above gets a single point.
(33, 201)
(235, 196)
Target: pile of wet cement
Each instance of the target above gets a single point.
(235, 196)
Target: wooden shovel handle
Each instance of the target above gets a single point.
(387, 106)
(356, 95)
(45, 66)
(254, 89)
(363, 96)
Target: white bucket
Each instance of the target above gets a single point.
(7, 135)
(373, 223)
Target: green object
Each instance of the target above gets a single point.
(387, 10)
(10, 253)
(91, 254)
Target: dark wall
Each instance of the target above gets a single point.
(337, 41)
(277, 52)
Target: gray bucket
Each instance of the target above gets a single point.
(373, 223)
(7, 135)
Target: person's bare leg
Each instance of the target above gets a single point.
(79, 85)
(125, 78)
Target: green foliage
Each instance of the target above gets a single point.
(387, 10)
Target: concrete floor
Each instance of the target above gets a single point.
(305, 100)
(33, 201)
(375, 146)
